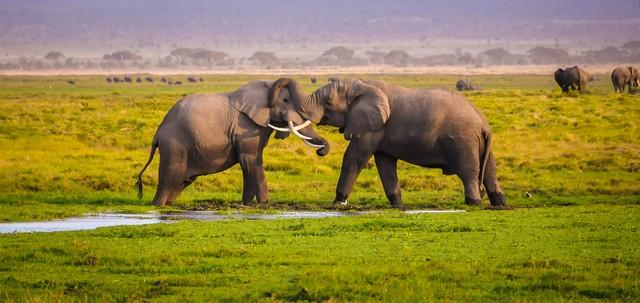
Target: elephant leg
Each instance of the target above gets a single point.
(355, 158)
(171, 174)
(467, 163)
(491, 184)
(387, 170)
(255, 184)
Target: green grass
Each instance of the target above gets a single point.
(66, 150)
(69, 150)
(577, 253)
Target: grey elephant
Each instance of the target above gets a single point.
(208, 133)
(430, 128)
(572, 78)
(623, 76)
(465, 84)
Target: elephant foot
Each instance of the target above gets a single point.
(472, 201)
(497, 199)
(398, 206)
(340, 204)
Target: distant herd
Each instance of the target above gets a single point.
(569, 78)
(576, 78)
(130, 79)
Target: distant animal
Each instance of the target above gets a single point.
(201, 79)
(163, 79)
(623, 76)
(177, 83)
(465, 84)
(192, 79)
(209, 133)
(138, 80)
(572, 78)
(170, 82)
(71, 82)
(117, 80)
(127, 78)
(109, 79)
(313, 80)
(149, 79)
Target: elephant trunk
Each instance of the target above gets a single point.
(306, 105)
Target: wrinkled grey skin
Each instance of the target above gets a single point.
(623, 76)
(208, 133)
(429, 128)
(465, 84)
(572, 78)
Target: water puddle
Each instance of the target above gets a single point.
(104, 220)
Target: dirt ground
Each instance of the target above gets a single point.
(383, 69)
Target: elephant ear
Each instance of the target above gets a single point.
(368, 110)
(251, 99)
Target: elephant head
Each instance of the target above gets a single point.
(272, 106)
(352, 105)
(635, 77)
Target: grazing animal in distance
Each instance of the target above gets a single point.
(149, 79)
(313, 80)
(465, 84)
(127, 78)
(572, 78)
(192, 79)
(177, 83)
(201, 79)
(138, 80)
(71, 82)
(109, 79)
(625, 76)
(163, 79)
(117, 80)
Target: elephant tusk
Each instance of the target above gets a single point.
(303, 125)
(280, 129)
(313, 145)
(297, 133)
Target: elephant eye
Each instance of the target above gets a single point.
(285, 100)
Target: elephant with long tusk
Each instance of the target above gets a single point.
(208, 133)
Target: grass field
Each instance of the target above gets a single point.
(68, 150)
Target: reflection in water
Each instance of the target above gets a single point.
(104, 220)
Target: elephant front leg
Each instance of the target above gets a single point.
(255, 184)
(388, 171)
(355, 158)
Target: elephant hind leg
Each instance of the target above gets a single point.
(496, 197)
(171, 174)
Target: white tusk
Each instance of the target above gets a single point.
(312, 145)
(303, 125)
(280, 129)
(297, 133)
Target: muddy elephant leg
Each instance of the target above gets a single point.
(491, 184)
(355, 158)
(171, 174)
(387, 170)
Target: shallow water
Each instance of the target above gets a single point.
(104, 220)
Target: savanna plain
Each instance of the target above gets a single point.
(569, 166)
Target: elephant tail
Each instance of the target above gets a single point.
(152, 153)
(486, 135)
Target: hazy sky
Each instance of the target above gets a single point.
(97, 26)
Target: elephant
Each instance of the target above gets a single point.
(572, 78)
(430, 128)
(192, 79)
(465, 84)
(208, 133)
(623, 76)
